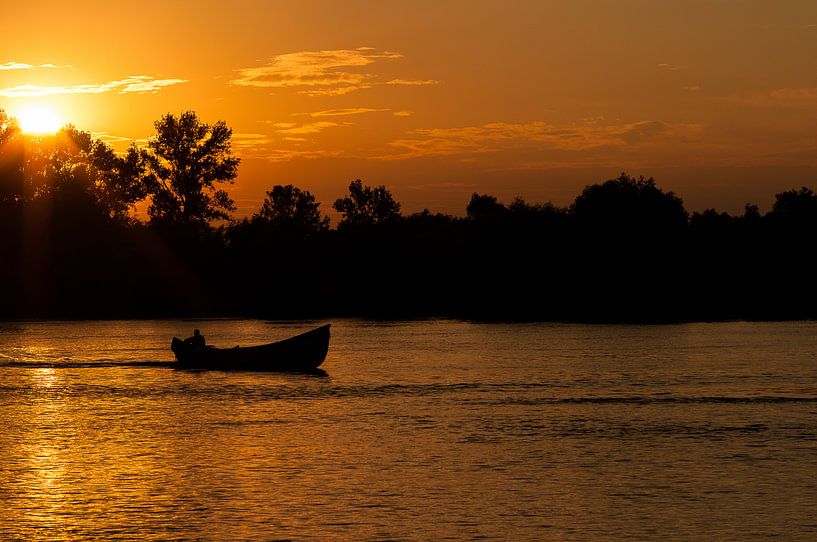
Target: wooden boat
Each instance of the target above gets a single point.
(304, 352)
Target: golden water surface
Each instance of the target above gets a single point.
(425, 430)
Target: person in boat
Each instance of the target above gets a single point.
(197, 341)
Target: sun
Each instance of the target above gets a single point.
(38, 119)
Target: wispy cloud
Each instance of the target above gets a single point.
(403, 113)
(802, 93)
(144, 83)
(22, 66)
(790, 97)
(112, 138)
(290, 128)
(323, 73)
(243, 141)
(670, 67)
(344, 112)
(135, 84)
(285, 155)
(337, 91)
(118, 142)
(444, 187)
(413, 82)
(498, 136)
(327, 70)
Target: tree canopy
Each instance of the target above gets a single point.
(367, 206)
(11, 159)
(796, 207)
(630, 204)
(185, 162)
(288, 208)
(485, 208)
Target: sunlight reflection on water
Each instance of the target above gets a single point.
(418, 431)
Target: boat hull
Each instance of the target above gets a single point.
(305, 352)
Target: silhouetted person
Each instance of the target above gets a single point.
(196, 341)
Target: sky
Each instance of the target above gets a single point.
(439, 99)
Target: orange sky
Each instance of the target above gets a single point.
(437, 99)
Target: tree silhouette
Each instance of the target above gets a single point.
(629, 204)
(11, 160)
(366, 205)
(118, 179)
(290, 209)
(73, 159)
(485, 208)
(8, 127)
(185, 160)
(796, 208)
(751, 213)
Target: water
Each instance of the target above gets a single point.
(425, 430)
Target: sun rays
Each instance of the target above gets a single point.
(39, 120)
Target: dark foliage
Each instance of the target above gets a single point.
(365, 206)
(292, 210)
(629, 206)
(185, 161)
(624, 251)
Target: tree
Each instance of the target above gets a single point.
(751, 213)
(796, 207)
(485, 208)
(73, 160)
(185, 160)
(630, 204)
(8, 127)
(11, 159)
(117, 179)
(366, 205)
(288, 208)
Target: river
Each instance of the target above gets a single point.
(418, 430)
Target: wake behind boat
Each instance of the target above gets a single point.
(304, 352)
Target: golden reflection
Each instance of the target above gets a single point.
(45, 377)
(44, 475)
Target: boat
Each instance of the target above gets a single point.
(301, 353)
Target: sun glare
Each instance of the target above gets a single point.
(39, 120)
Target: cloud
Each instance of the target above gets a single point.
(670, 67)
(118, 142)
(403, 113)
(334, 91)
(413, 83)
(111, 138)
(135, 84)
(285, 155)
(794, 94)
(248, 141)
(329, 71)
(280, 124)
(497, 136)
(144, 83)
(323, 73)
(292, 129)
(21, 66)
(344, 112)
(790, 97)
(445, 187)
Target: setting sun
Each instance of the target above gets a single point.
(39, 120)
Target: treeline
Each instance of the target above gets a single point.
(71, 245)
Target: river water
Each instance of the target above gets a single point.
(421, 430)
